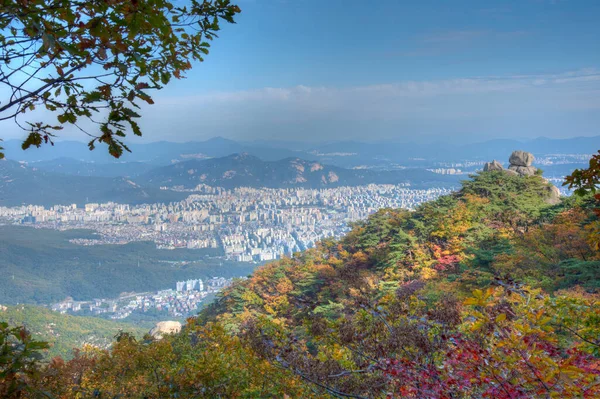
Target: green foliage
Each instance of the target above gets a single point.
(20, 185)
(85, 60)
(204, 362)
(483, 256)
(512, 195)
(330, 310)
(585, 180)
(63, 332)
(19, 358)
(581, 272)
(48, 268)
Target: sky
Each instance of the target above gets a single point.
(326, 70)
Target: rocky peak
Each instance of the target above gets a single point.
(521, 158)
(494, 165)
(520, 164)
(165, 327)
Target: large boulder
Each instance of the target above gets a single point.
(521, 158)
(494, 165)
(553, 195)
(523, 170)
(520, 164)
(165, 327)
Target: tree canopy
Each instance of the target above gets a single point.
(489, 292)
(90, 63)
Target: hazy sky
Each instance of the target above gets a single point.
(402, 70)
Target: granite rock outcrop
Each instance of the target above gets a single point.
(520, 164)
(165, 327)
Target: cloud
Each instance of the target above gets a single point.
(412, 89)
(560, 105)
(520, 105)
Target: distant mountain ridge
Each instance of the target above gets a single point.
(155, 153)
(22, 184)
(245, 170)
(52, 176)
(342, 153)
(70, 166)
(31, 184)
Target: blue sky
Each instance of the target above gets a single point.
(322, 70)
(345, 43)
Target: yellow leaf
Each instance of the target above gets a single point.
(501, 317)
(472, 301)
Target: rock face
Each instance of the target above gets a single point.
(520, 162)
(521, 158)
(165, 327)
(494, 165)
(553, 195)
(523, 170)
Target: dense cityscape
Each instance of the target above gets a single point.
(181, 301)
(249, 225)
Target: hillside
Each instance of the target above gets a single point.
(64, 332)
(69, 166)
(463, 239)
(489, 292)
(21, 184)
(42, 266)
(244, 170)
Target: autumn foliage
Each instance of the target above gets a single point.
(487, 293)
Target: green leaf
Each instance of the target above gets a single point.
(34, 138)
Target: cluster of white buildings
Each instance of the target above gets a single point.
(447, 171)
(249, 225)
(184, 300)
(189, 285)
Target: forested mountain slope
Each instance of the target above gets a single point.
(244, 170)
(64, 332)
(489, 292)
(464, 240)
(21, 184)
(42, 266)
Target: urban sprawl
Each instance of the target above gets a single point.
(249, 225)
(181, 301)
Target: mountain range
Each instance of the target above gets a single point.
(347, 154)
(245, 170)
(50, 175)
(22, 184)
(30, 184)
